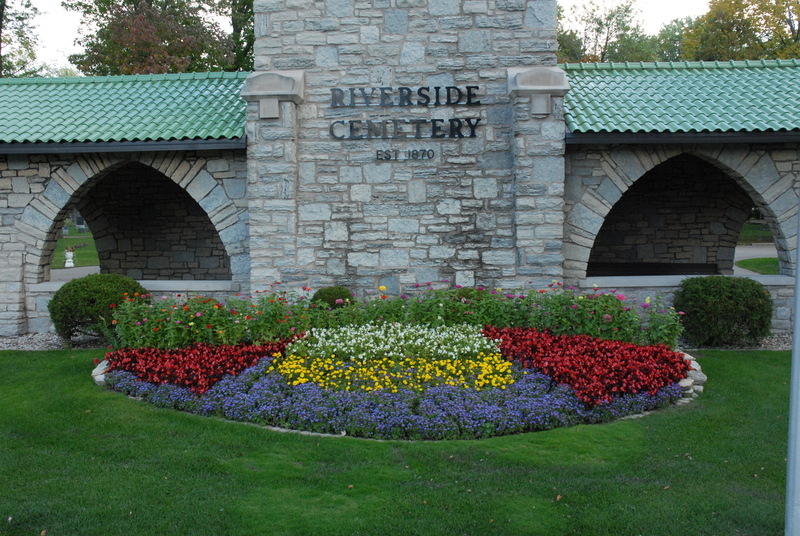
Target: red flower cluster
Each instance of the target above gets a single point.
(198, 367)
(596, 369)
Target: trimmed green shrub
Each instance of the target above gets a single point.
(724, 311)
(85, 306)
(336, 296)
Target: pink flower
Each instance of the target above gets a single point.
(339, 301)
(621, 297)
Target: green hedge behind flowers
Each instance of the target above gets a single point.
(277, 314)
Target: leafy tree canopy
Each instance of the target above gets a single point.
(729, 30)
(17, 38)
(745, 29)
(163, 36)
(600, 33)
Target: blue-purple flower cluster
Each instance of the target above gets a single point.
(534, 402)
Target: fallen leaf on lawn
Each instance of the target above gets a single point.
(559, 497)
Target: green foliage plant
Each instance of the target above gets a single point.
(724, 311)
(279, 313)
(85, 306)
(335, 296)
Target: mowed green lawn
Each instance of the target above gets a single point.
(76, 459)
(85, 249)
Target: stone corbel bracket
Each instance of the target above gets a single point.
(268, 88)
(540, 83)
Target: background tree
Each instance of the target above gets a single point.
(158, 36)
(17, 38)
(240, 15)
(726, 32)
(745, 29)
(671, 38)
(595, 33)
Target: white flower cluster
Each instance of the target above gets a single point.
(394, 341)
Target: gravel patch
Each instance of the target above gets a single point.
(778, 341)
(45, 341)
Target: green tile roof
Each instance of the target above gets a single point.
(736, 96)
(754, 96)
(192, 106)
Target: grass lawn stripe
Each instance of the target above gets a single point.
(77, 459)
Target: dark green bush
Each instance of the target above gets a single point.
(724, 311)
(84, 306)
(329, 295)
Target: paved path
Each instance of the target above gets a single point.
(68, 274)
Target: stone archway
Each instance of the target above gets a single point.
(681, 217)
(597, 178)
(213, 189)
(147, 227)
(221, 204)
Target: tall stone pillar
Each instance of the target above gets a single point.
(395, 158)
(271, 133)
(538, 96)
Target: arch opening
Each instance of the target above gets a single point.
(147, 227)
(683, 217)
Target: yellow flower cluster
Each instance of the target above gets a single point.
(414, 373)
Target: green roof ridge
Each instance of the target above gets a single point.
(148, 107)
(675, 65)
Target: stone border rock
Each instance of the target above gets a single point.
(694, 382)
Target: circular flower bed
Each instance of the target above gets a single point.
(399, 381)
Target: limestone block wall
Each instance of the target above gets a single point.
(387, 153)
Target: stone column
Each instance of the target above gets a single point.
(397, 168)
(272, 170)
(12, 295)
(539, 130)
